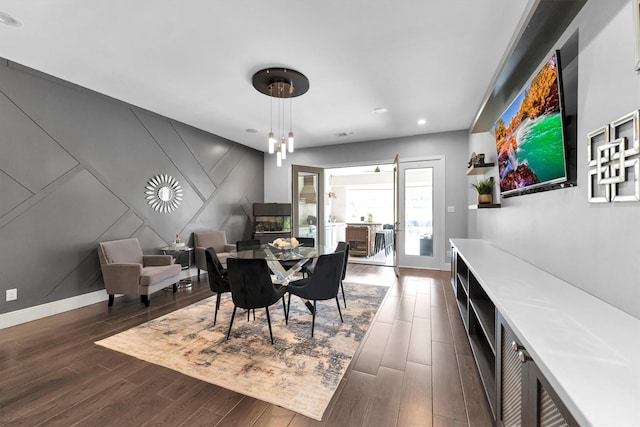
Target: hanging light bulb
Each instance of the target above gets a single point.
(290, 126)
(272, 143)
(271, 138)
(279, 157)
(290, 142)
(283, 147)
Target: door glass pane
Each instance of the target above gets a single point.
(418, 212)
(308, 205)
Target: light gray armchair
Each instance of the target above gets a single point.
(126, 270)
(210, 239)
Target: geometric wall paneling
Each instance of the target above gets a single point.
(123, 228)
(104, 152)
(239, 186)
(12, 193)
(81, 280)
(108, 139)
(29, 155)
(613, 160)
(206, 148)
(54, 236)
(167, 138)
(233, 156)
(151, 240)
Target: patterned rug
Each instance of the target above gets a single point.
(298, 372)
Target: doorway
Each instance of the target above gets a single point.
(363, 196)
(421, 205)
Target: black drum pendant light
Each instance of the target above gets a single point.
(280, 84)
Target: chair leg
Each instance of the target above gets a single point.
(175, 288)
(145, 299)
(343, 298)
(231, 323)
(284, 307)
(269, 322)
(215, 314)
(339, 311)
(198, 274)
(313, 319)
(111, 298)
(287, 311)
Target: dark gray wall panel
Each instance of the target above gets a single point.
(125, 227)
(29, 155)
(150, 240)
(166, 136)
(230, 198)
(227, 164)
(109, 138)
(48, 241)
(41, 247)
(208, 151)
(12, 193)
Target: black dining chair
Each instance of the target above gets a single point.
(242, 245)
(344, 248)
(341, 247)
(251, 287)
(322, 285)
(218, 277)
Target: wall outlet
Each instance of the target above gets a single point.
(12, 294)
(448, 254)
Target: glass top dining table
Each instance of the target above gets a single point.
(274, 255)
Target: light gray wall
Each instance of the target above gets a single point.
(73, 170)
(592, 246)
(451, 145)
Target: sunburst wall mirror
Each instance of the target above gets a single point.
(163, 193)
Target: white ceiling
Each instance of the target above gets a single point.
(193, 61)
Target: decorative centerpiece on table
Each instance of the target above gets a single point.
(177, 243)
(285, 243)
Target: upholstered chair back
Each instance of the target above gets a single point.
(210, 239)
(120, 251)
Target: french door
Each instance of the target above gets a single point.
(421, 214)
(307, 203)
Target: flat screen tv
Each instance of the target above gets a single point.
(530, 137)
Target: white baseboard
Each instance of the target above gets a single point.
(36, 312)
(29, 314)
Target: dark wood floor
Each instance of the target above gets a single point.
(413, 369)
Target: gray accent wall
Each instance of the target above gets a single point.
(451, 145)
(595, 247)
(73, 170)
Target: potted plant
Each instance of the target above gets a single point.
(485, 191)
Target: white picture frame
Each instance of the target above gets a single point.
(636, 19)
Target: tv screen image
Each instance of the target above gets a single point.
(529, 135)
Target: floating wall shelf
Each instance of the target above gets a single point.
(479, 169)
(485, 206)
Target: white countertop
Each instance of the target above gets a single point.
(587, 349)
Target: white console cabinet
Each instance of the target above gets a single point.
(548, 353)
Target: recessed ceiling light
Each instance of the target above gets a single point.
(251, 130)
(379, 110)
(9, 20)
(343, 134)
(422, 121)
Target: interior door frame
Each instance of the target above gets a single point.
(295, 192)
(439, 217)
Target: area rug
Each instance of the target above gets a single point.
(298, 372)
